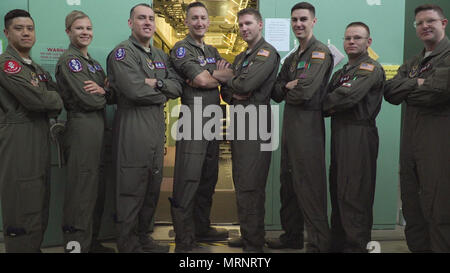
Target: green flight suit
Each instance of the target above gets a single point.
(255, 73)
(197, 159)
(83, 143)
(27, 100)
(303, 173)
(425, 147)
(138, 135)
(354, 98)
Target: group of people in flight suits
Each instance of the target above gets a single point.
(141, 78)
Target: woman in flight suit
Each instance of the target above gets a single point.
(81, 82)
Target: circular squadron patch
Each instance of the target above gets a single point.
(75, 65)
(12, 67)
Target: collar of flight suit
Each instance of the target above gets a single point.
(256, 47)
(311, 42)
(78, 53)
(138, 45)
(363, 57)
(11, 51)
(442, 46)
(191, 41)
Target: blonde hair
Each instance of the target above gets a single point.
(73, 16)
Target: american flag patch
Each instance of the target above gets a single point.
(318, 55)
(264, 53)
(366, 66)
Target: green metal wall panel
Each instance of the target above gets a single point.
(109, 20)
(333, 16)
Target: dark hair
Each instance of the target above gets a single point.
(436, 8)
(195, 4)
(359, 24)
(251, 11)
(304, 5)
(16, 13)
(141, 4)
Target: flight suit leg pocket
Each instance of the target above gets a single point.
(31, 194)
(193, 163)
(132, 179)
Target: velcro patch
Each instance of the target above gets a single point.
(98, 67)
(120, 54)
(318, 55)
(12, 67)
(347, 84)
(263, 52)
(91, 68)
(160, 65)
(75, 65)
(42, 77)
(181, 52)
(211, 60)
(366, 66)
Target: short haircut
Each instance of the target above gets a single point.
(138, 5)
(194, 5)
(14, 14)
(304, 5)
(436, 8)
(251, 11)
(73, 16)
(359, 24)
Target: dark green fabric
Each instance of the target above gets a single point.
(138, 135)
(303, 142)
(27, 100)
(425, 149)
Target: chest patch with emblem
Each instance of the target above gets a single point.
(42, 77)
(120, 54)
(344, 79)
(150, 64)
(425, 68)
(75, 65)
(201, 60)
(302, 65)
(211, 60)
(12, 67)
(91, 68)
(413, 72)
(98, 67)
(160, 65)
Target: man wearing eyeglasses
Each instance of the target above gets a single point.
(423, 83)
(353, 101)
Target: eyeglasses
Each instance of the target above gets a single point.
(428, 22)
(355, 38)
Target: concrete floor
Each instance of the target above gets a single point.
(391, 241)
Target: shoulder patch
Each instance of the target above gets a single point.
(318, 55)
(367, 67)
(120, 54)
(181, 52)
(75, 65)
(263, 52)
(12, 67)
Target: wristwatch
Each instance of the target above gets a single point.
(159, 84)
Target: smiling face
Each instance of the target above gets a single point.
(302, 23)
(356, 41)
(142, 23)
(197, 21)
(81, 33)
(21, 34)
(250, 29)
(430, 27)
